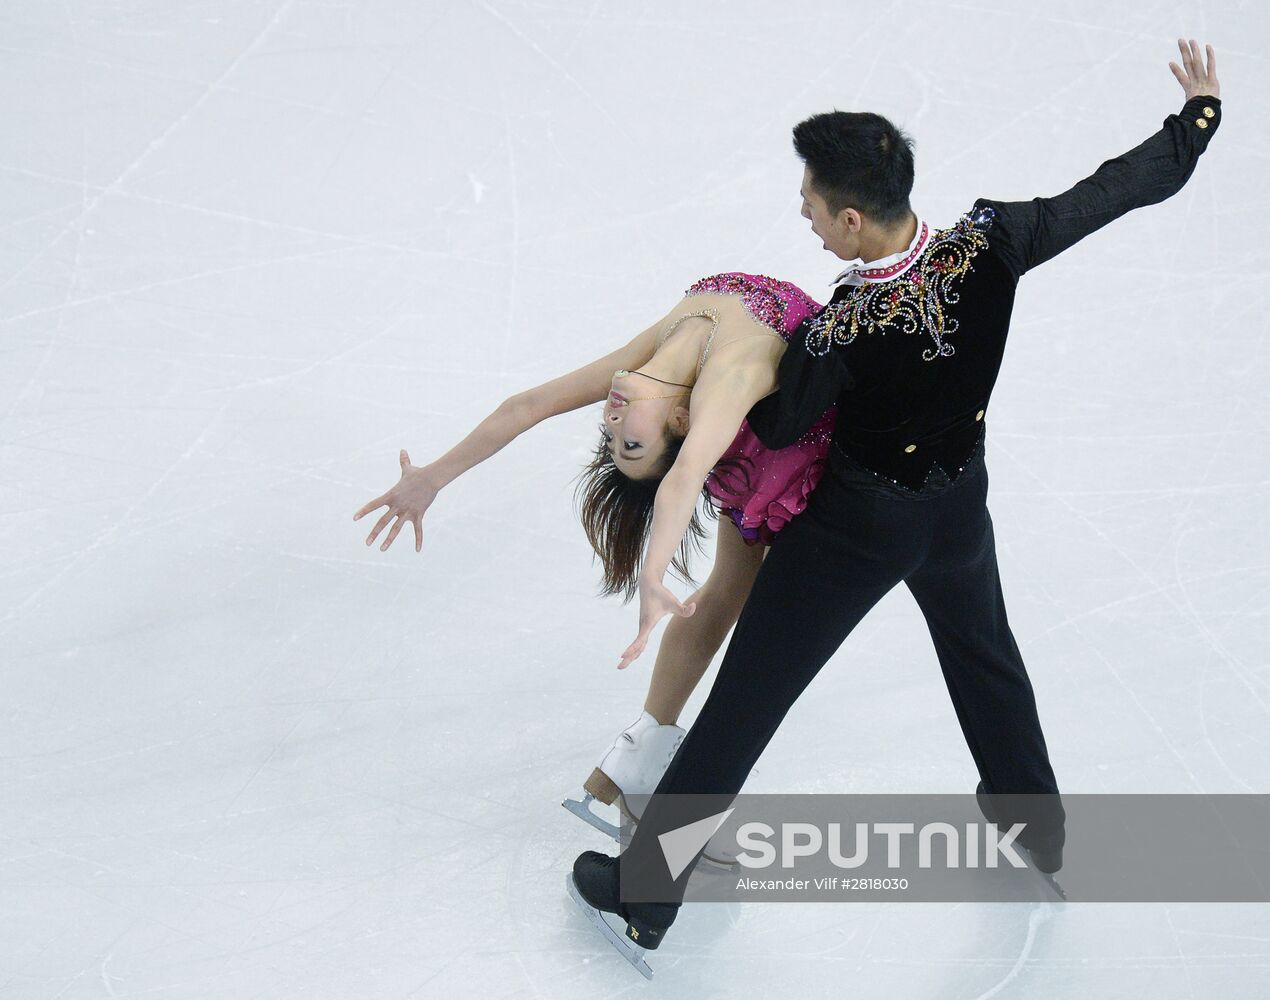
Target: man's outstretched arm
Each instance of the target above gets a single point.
(1027, 233)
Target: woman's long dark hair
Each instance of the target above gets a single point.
(617, 514)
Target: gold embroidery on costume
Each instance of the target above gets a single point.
(912, 303)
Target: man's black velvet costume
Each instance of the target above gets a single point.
(911, 363)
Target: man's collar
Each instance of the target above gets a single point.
(861, 272)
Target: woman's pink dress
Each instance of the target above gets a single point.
(780, 481)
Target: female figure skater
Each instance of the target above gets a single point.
(717, 351)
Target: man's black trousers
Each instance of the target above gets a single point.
(859, 536)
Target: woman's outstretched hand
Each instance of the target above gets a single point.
(406, 501)
(1194, 77)
(655, 602)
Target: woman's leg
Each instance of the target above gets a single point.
(640, 754)
(690, 643)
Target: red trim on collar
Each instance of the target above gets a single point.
(891, 270)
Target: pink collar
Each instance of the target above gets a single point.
(860, 272)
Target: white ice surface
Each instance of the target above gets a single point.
(249, 250)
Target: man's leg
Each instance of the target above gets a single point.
(824, 572)
(958, 588)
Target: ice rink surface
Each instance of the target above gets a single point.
(250, 250)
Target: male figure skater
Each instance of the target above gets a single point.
(909, 347)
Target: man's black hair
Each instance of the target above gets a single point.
(858, 160)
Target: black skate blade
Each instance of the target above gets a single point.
(985, 807)
(1053, 883)
(1050, 880)
(629, 950)
(581, 810)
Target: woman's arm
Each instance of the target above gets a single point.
(518, 413)
(414, 493)
(506, 423)
(590, 383)
(719, 404)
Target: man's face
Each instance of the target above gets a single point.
(839, 234)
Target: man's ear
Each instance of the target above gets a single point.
(850, 220)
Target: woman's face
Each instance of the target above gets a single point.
(635, 428)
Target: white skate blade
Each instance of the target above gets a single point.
(584, 813)
(581, 810)
(630, 951)
(705, 863)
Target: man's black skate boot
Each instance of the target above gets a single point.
(1046, 851)
(597, 877)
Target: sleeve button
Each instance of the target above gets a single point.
(1209, 112)
(911, 448)
(1201, 123)
(979, 415)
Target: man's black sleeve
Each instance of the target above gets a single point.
(1027, 233)
(809, 385)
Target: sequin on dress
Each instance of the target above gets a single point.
(780, 480)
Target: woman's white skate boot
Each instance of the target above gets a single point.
(634, 765)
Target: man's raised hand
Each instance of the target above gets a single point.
(1194, 77)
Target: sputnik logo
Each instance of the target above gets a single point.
(681, 845)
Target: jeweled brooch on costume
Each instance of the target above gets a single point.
(915, 300)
